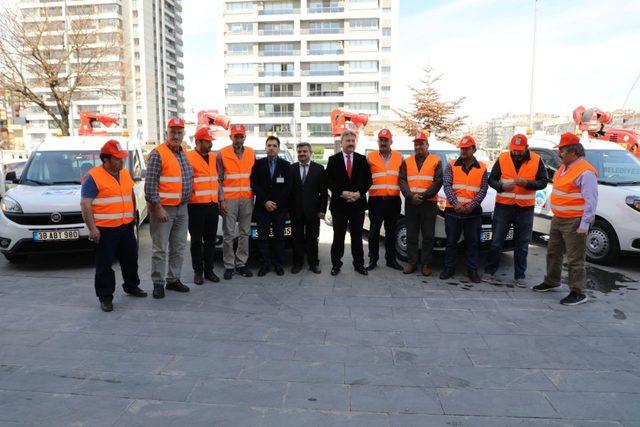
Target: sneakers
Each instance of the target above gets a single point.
(244, 271)
(177, 286)
(574, 298)
(545, 287)
(490, 278)
(158, 291)
(521, 283)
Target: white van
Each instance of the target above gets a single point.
(41, 214)
(617, 225)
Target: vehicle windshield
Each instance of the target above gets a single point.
(283, 154)
(615, 167)
(59, 167)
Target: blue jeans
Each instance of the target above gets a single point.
(454, 225)
(503, 217)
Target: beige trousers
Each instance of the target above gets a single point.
(236, 223)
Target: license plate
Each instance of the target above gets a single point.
(486, 236)
(254, 232)
(42, 236)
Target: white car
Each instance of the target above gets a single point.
(41, 214)
(447, 152)
(16, 166)
(617, 225)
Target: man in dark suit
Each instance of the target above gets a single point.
(271, 184)
(348, 179)
(308, 206)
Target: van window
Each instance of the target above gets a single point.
(59, 167)
(616, 167)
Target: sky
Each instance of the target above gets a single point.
(587, 52)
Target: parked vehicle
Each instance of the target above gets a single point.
(41, 214)
(617, 225)
(16, 166)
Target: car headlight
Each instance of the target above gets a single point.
(9, 205)
(634, 202)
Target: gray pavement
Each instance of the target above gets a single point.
(317, 350)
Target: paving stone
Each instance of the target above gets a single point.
(333, 397)
(391, 399)
(587, 405)
(340, 353)
(308, 418)
(401, 420)
(239, 392)
(432, 356)
(137, 386)
(496, 403)
(452, 341)
(604, 381)
(294, 370)
(203, 367)
(44, 380)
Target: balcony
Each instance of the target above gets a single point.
(286, 32)
(322, 72)
(285, 11)
(304, 113)
(326, 93)
(280, 52)
(325, 51)
(326, 9)
(322, 30)
(262, 113)
(276, 73)
(279, 94)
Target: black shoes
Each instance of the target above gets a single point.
(279, 270)
(315, 269)
(198, 278)
(228, 274)
(361, 270)
(158, 291)
(136, 292)
(177, 286)
(211, 276)
(106, 306)
(574, 298)
(447, 274)
(296, 269)
(545, 287)
(244, 271)
(395, 265)
(263, 270)
(372, 265)
(335, 270)
(474, 277)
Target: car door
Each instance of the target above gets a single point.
(137, 169)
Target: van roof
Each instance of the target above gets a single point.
(81, 143)
(551, 142)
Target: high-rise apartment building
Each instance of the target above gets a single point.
(145, 84)
(288, 63)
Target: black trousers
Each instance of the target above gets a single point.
(270, 222)
(305, 232)
(353, 220)
(421, 220)
(116, 243)
(454, 226)
(383, 210)
(203, 227)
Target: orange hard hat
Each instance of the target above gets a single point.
(203, 134)
(421, 136)
(467, 141)
(113, 148)
(385, 133)
(518, 142)
(568, 138)
(175, 122)
(238, 129)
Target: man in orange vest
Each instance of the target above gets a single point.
(236, 201)
(384, 199)
(465, 184)
(108, 210)
(420, 181)
(574, 199)
(203, 207)
(516, 176)
(168, 186)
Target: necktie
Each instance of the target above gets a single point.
(272, 165)
(349, 165)
(304, 173)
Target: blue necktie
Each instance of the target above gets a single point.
(272, 167)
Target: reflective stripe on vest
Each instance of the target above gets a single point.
(170, 182)
(566, 198)
(528, 170)
(384, 176)
(466, 186)
(113, 206)
(421, 179)
(236, 183)
(205, 178)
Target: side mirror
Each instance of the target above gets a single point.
(551, 172)
(11, 177)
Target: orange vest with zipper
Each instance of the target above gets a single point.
(466, 186)
(420, 180)
(205, 178)
(237, 173)
(170, 183)
(113, 206)
(528, 170)
(384, 178)
(566, 197)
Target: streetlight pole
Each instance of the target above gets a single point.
(533, 65)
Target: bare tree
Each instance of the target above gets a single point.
(51, 60)
(429, 112)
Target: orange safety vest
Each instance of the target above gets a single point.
(205, 178)
(113, 206)
(566, 198)
(384, 179)
(420, 180)
(528, 170)
(237, 173)
(466, 186)
(170, 183)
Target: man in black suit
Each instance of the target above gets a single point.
(348, 179)
(271, 184)
(308, 206)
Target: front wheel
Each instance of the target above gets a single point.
(602, 243)
(401, 240)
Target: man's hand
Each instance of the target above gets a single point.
(466, 209)
(521, 181)
(321, 215)
(345, 195)
(509, 186)
(161, 214)
(270, 206)
(458, 208)
(416, 199)
(223, 207)
(355, 196)
(94, 235)
(582, 230)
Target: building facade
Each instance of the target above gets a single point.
(144, 81)
(288, 63)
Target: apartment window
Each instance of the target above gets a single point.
(324, 69)
(325, 89)
(370, 45)
(320, 110)
(240, 7)
(386, 32)
(363, 87)
(325, 6)
(280, 89)
(277, 49)
(275, 129)
(363, 66)
(386, 49)
(239, 48)
(276, 28)
(324, 48)
(364, 107)
(372, 3)
(278, 69)
(386, 71)
(325, 27)
(240, 109)
(276, 110)
(386, 9)
(363, 24)
(319, 129)
(240, 89)
(386, 90)
(240, 69)
(276, 7)
(240, 28)
(136, 41)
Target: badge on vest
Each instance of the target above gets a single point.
(280, 180)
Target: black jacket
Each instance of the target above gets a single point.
(338, 181)
(310, 198)
(266, 188)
